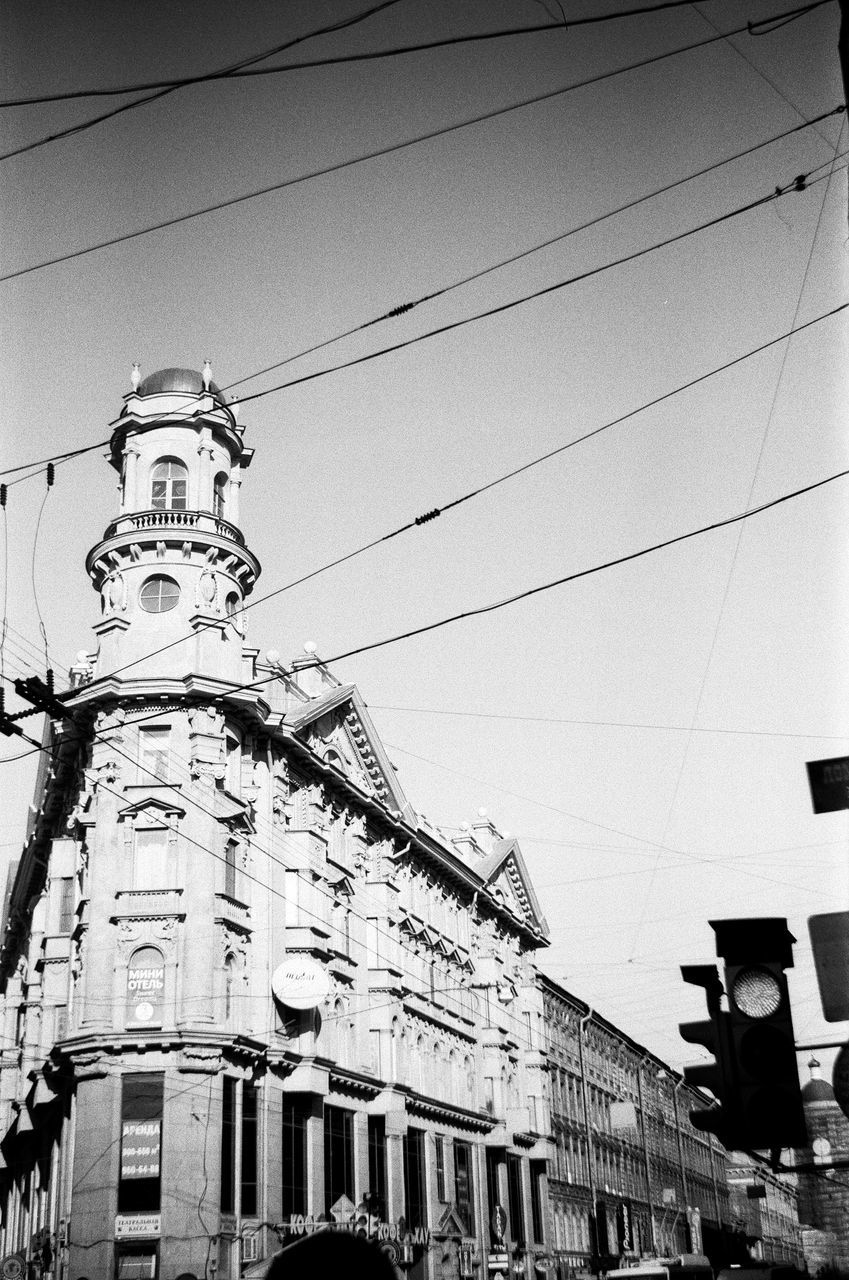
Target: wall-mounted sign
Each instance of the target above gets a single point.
(499, 1223)
(128, 1225)
(300, 983)
(140, 1146)
(145, 985)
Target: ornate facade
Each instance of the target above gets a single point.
(245, 985)
(629, 1172)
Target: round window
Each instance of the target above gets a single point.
(159, 594)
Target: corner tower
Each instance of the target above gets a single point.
(172, 569)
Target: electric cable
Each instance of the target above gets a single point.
(606, 724)
(738, 541)
(164, 89)
(375, 54)
(794, 186)
(494, 605)
(50, 474)
(376, 153)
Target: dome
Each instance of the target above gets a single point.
(818, 1091)
(185, 380)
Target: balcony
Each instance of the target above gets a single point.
(233, 912)
(182, 521)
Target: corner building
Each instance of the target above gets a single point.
(244, 984)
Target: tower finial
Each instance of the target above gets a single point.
(135, 376)
(207, 374)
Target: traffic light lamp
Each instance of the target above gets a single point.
(716, 1076)
(756, 953)
(754, 1077)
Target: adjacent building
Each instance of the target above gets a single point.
(629, 1173)
(824, 1192)
(764, 1205)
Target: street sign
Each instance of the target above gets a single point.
(840, 1079)
(830, 944)
(829, 783)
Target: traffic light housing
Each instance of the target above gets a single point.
(756, 953)
(716, 1076)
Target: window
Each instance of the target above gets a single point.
(159, 594)
(377, 1160)
(135, 1262)
(141, 1142)
(169, 486)
(440, 1167)
(415, 1187)
(229, 985)
(338, 1155)
(153, 754)
(294, 1163)
(150, 870)
(233, 748)
(230, 861)
(464, 1185)
(219, 495)
(65, 895)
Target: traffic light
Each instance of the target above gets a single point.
(717, 1076)
(756, 952)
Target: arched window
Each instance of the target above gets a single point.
(219, 494)
(230, 971)
(230, 866)
(145, 985)
(169, 486)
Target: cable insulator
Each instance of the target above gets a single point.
(51, 474)
(799, 184)
(4, 493)
(50, 681)
(399, 311)
(428, 515)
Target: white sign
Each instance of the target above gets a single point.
(137, 1224)
(300, 983)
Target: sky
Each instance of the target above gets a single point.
(642, 730)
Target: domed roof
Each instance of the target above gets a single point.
(817, 1091)
(187, 380)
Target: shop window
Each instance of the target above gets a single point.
(514, 1200)
(537, 1174)
(139, 1188)
(228, 1145)
(464, 1186)
(415, 1187)
(377, 1159)
(154, 750)
(136, 1261)
(338, 1155)
(294, 1162)
(159, 594)
(250, 1130)
(169, 483)
(150, 864)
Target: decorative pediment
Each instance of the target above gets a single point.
(506, 876)
(338, 728)
(158, 812)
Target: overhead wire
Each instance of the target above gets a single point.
(794, 186)
(738, 540)
(606, 724)
(372, 154)
(372, 55)
(164, 88)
